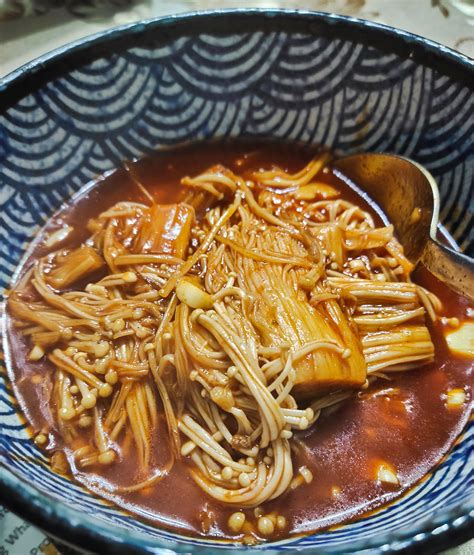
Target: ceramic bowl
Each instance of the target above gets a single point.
(309, 77)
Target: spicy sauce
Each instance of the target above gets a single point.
(403, 421)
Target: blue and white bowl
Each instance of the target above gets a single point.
(309, 77)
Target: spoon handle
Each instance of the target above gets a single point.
(451, 267)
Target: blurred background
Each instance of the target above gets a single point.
(30, 28)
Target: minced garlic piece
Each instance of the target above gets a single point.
(313, 190)
(36, 353)
(455, 398)
(193, 295)
(461, 341)
(386, 474)
(58, 236)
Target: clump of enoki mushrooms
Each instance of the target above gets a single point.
(240, 325)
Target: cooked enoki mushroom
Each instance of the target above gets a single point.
(244, 324)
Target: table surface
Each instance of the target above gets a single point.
(30, 28)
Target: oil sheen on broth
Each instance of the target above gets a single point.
(360, 454)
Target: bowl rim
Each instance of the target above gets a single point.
(76, 528)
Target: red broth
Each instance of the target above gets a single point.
(403, 421)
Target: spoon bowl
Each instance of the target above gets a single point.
(408, 195)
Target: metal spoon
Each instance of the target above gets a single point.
(408, 195)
